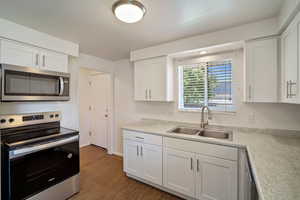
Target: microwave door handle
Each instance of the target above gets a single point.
(61, 86)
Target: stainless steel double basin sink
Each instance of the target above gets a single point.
(207, 132)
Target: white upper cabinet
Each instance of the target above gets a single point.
(261, 70)
(17, 54)
(20, 54)
(290, 63)
(153, 79)
(53, 61)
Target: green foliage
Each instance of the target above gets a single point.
(194, 86)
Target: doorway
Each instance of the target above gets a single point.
(95, 107)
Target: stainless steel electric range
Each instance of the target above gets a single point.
(39, 159)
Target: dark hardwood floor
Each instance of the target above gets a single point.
(102, 178)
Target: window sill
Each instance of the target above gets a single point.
(212, 111)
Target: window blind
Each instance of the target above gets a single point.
(208, 84)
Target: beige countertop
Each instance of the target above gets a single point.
(274, 155)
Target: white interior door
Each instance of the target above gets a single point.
(100, 97)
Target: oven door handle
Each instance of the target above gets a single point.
(27, 150)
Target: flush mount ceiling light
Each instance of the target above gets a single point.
(129, 11)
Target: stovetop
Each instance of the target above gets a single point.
(29, 130)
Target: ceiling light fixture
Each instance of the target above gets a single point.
(203, 52)
(129, 11)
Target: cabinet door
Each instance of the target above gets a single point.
(152, 163)
(216, 179)
(262, 70)
(53, 61)
(178, 171)
(290, 65)
(157, 82)
(153, 80)
(141, 76)
(132, 158)
(18, 54)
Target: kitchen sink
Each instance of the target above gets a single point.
(216, 134)
(185, 130)
(207, 132)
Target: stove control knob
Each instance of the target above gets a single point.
(51, 116)
(2, 121)
(11, 120)
(57, 115)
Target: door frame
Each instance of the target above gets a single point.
(111, 107)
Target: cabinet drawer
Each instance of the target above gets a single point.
(219, 151)
(143, 137)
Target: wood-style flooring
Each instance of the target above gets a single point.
(102, 178)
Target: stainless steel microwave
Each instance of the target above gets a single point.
(31, 84)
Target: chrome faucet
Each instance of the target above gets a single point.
(203, 124)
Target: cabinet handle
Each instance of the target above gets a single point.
(146, 93)
(192, 164)
(137, 150)
(142, 151)
(291, 85)
(139, 138)
(150, 96)
(287, 89)
(250, 96)
(44, 60)
(36, 59)
(197, 165)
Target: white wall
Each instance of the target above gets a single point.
(240, 33)
(275, 116)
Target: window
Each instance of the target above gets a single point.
(208, 83)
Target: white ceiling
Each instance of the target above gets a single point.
(92, 24)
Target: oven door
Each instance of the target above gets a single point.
(30, 84)
(35, 168)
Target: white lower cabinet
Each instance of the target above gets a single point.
(198, 176)
(216, 179)
(186, 168)
(179, 174)
(143, 161)
(152, 163)
(132, 160)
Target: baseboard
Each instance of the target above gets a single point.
(84, 145)
(118, 154)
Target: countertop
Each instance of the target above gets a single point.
(274, 155)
